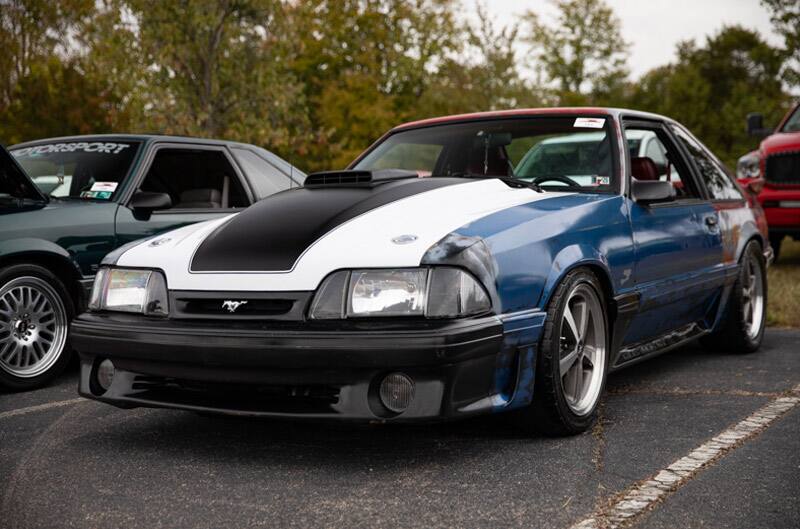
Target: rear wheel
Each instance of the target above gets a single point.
(572, 359)
(35, 310)
(742, 328)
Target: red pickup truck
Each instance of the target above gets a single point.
(774, 169)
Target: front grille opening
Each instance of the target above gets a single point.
(252, 307)
(783, 168)
(293, 399)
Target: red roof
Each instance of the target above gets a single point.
(506, 113)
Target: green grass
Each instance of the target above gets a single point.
(784, 287)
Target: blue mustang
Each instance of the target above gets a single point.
(462, 265)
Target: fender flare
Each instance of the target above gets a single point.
(571, 257)
(18, 249)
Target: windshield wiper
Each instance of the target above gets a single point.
(510, 181)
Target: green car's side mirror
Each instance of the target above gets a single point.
(144, 203)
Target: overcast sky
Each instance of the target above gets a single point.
(654, 27)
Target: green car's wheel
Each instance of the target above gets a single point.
(35, 310)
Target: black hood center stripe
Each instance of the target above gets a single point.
(271, 235)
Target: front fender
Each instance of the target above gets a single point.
(569, 258)
(23, 245)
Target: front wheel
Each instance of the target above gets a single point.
(572, 359)
(35, 310)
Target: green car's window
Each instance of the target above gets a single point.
(554, 152)
(92, 170)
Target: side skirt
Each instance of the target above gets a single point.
(639, 352)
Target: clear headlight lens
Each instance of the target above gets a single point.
(430, 292)
(124, 290)
(749, 166)
(387, 292)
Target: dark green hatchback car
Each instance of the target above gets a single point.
(83, 197)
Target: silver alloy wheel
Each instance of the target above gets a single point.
(582, 349)
(753, 295)
(33, 326)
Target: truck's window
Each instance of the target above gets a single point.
(793, 123)
(195, 179)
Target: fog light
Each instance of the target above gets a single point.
(397, 391)
(105, 374)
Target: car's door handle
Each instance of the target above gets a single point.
(711, 221)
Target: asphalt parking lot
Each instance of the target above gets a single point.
(68, 462)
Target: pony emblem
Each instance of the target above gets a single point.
(232, 305)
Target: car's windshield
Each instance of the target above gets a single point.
(90, 170)
(793, 123)
(551, 151)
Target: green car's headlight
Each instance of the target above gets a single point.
(130, 290)
(430, 292)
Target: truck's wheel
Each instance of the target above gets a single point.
(35, 311)
(572, 359)
(742, 327)
(775, 241)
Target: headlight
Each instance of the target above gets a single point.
(123, 290)
(430, 292)
(749, 166)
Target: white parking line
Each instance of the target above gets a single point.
(40, 407)
(646, 494)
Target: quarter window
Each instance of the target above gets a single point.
(717, 181)
(265, 177)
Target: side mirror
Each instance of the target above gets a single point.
(143, 203)
(755, 125)
(650, 191)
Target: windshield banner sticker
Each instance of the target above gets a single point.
(97, 146)
(104, 186)
(589, 123)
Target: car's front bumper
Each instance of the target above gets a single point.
(317, 371)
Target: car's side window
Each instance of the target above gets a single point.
(195, 179)
(717, 181)
(265, 177)
(657, 158)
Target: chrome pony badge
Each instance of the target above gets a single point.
(232, 305)
(404, 239)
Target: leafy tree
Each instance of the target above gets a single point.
(582, 52)
(56, 98)
(711, 89)
(785, 15)
(363, 65)
(32, 31)
(483, 76)
(213, 68)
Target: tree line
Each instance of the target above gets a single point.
(317, 81)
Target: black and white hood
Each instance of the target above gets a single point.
(292, 240)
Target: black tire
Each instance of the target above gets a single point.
(549, 413)
(60, 356)
(735, 332)
(775, 241)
